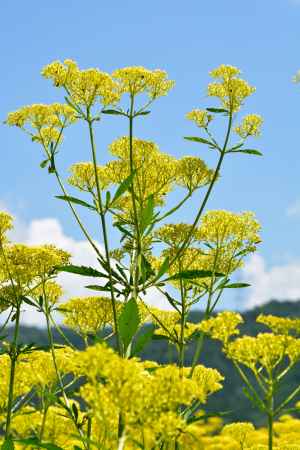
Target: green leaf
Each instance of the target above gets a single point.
(113, 112)
(251, 152)
(146, 269)
(34, 442)
(236, 285)
(81, 270)
(75, 200)
(143, 113)
(217, 110)
(163, 268)
(8, 444)
(190, 274)
(44, 163)
(200, 140)
(28, 301)
(128, 322)
(142, 341)
(123, 187)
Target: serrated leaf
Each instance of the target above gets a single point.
(75, 200)
(236, 285)
(142, 341)
(190, 274)
(217, 110)
(200, 140)
(128, 322)
(81, 270)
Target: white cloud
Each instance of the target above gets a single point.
(50, 231)
(280, 282)
(294, 209)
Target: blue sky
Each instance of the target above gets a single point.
(187, 39)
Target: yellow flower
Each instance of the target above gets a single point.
(242, 432)
(136, 80)
(83, 176)
(250, 126)
(193, 173)
(88, 315)
(223, 326)
(5, 225)
(200, 117)
(156, 171)
(279, 325)
(84, 87)
(231, 90)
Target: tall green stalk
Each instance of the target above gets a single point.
(104, 231)
(13, 361)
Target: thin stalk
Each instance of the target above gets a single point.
(186, 242)
(105, 237)
(58, 375)
(45, 411)
(182, 322)
(13, 359)
(137, 252)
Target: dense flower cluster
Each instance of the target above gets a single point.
(250, 126)
(231, 90)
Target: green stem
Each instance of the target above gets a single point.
(13, 359)
(186, 242)
(105, 237)
(137, 251)
(45, 410)
(58, 375)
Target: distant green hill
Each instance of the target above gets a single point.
(231, 398)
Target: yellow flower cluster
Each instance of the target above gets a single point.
(250, 126)
(84, 87)
(231, 90)
(223, 326)
(137, 80)
(27, 266)
(266, 350)
(83, 176)
(164, 389)
(280, 325)
(193, 173)
(175, 234)
(88, 315)
(44, 122)
(200, 117)
(5, 225)
(156, 171)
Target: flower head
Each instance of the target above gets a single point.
(136, 80)
(84, 87)
(231, 90)
(250, 126)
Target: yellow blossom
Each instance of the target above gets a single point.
(231, 90)
(200, 117)
(250, 126)
(83, 176)
(223, 326)
(193, 173)
(5, 225)
(136, 80)
(84, 87)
